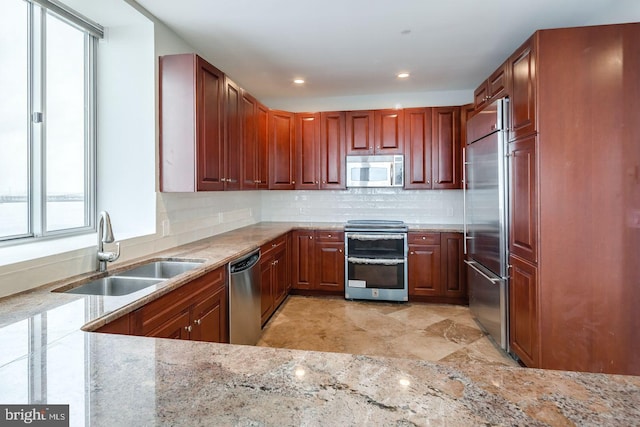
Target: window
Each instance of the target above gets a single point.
(47, 121)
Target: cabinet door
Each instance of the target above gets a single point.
(209, 127)
(303, 264)
(250, 150)
(481, 96)
(424, 270)
(209, 318)
(232, 135)
(262, 132)
(266, 285)
(307, 151)
(417, 141)
(522, 71)
(118, 326)
(329, 258)
(446, 150)
(497, 83)
(360, 131)
(523, 233)
(176, 327)
(389, 131)
(281, 150)
(332, 150)
(452, 272)
(523, 311)
(280, 273)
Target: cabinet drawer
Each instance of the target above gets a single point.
(277, 243)
(330, 236)
(154, 314)
(423, 238)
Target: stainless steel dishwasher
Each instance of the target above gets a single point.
(244, 300)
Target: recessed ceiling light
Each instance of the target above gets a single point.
(403, 75)
(298, 81)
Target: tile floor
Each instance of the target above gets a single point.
(432, 332)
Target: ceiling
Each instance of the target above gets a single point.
(356, 47)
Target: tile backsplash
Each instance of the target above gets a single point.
(411, 206)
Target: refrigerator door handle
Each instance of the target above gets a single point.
(464, 200)
(493, 280)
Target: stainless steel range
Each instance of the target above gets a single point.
(376, 261)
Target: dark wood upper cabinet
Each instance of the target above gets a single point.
(360, 130)
(388, 131)
(250, 152)
(232, 135)
(417, 148)
(496, 86)
(262, 141)
(191, 124)
(281, 150)
(522, 71)
(332, 150)
(307, 145)
(446, 155)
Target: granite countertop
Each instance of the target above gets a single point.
(122, 380)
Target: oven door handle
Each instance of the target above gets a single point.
(378, 236)
(376, 261)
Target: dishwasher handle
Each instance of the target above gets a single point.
(244, 263)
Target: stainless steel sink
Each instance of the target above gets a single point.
(114, 286)
(134, 279)
(160, 269)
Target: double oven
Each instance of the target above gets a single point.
(376, 261)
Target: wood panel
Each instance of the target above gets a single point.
(307, 145)
(281, 150)
(232, 135)
(446, 149)
(262, 167)
(522, 69)
(250, 150)
(332, 150)
(523, 312)
(360, 132)
(417, 143)
(452, 271)
(388, 131)
(523, 233)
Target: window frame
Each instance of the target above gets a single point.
(38, 11)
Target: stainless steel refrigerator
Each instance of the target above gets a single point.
(486, 218)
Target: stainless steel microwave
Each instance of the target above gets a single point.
(375, 171)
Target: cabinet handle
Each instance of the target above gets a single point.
(197, 321)
(428, 182)
(340, 250)
(273, 245)
(310, 237)
(188, 328)
(293, 182)
(324, 182)
(412, 253)
(328, 235)
(424, 237)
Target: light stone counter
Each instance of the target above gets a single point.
(115, 380)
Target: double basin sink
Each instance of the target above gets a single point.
(134, 279)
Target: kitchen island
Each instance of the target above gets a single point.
(110, 380)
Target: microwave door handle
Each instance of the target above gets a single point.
(391, 173)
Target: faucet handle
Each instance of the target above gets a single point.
(114, 255)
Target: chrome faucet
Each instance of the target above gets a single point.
(105, 235)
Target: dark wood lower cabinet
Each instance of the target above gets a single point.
(435, 268)
(318, 261)
(274, 273)
(523, 311)
(196, 311)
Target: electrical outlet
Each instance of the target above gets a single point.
(374, 293)
(166, 228)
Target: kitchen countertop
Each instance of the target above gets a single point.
(123, 380)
